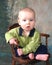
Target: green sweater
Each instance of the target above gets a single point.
(29, 43)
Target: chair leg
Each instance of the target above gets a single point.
(13, 62)
(47, 62)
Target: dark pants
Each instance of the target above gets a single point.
(41, 50)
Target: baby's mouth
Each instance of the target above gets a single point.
(28, 26)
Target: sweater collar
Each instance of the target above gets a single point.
(31, 32)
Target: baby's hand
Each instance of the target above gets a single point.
(20, 52)
(13, 41)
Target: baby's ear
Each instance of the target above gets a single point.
(18, 21)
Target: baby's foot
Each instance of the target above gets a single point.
(43, 57)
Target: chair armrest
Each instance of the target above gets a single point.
(44, 34)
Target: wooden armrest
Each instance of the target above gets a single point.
(43, 34)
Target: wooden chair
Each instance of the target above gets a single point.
(20, 60)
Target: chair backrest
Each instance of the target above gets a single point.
(46, 36)
(13, 26)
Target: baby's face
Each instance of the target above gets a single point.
(26, 20)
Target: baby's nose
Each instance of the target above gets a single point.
(28, 21)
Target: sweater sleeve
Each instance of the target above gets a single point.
(10, 34)
(33, 44)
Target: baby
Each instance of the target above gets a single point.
(28, 36)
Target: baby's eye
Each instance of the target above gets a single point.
(24, 20)
(31, 19)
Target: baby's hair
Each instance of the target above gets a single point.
(27, 9)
